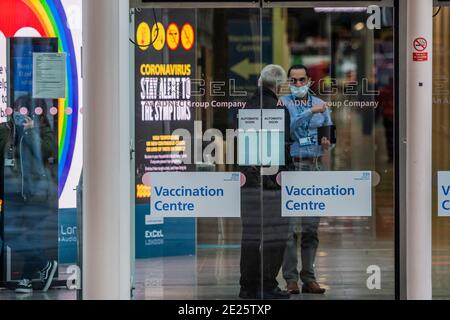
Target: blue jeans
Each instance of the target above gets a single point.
(34, 177)
(309, 240)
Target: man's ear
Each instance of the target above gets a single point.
(279, 88)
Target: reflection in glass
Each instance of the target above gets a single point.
(30, 193)
(441, 151)
(351, 68)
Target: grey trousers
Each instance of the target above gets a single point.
(309, 240)
(309, 243)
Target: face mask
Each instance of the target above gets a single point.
(299, 92)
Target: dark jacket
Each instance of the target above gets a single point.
(269, 100)
(265, 98)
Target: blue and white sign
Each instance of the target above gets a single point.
(261, 137)
(444, 193)
(195, 194)
(326, 194)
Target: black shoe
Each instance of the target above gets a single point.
(247, 294)
(47, 273)
(24, 287)
(276, 293)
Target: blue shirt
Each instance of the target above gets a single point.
(304, 124)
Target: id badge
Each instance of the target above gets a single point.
(305, 141)
(10, 162)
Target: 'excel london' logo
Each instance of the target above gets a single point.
(154, 234)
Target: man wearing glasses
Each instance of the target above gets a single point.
(307, 113)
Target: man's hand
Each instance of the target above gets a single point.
(319, 108)
(325, 143)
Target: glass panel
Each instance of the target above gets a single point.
(441, 152)
(344, 248)
(40, 150)
(187, 102)
(216, 148)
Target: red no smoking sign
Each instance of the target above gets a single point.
(420, 45)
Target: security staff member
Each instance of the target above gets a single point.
(307, 113)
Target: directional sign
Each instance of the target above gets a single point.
(245, 68)
(248, 52)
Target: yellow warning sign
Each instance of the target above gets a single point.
(143, 36)
(158, 36)
(187, 36)
(173, 36)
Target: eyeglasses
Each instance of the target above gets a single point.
(295, 80)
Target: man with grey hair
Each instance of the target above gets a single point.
(264, 231)
(272, 77)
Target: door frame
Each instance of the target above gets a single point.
(400, 49)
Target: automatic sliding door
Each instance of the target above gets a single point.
(195, 70)
(247, 179)
(338, 194)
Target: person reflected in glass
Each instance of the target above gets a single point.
(35, 217)
(264, 231)
(307, 113)
(5, 132)
(36, 142)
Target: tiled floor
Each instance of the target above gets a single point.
(214, 274)
(53, 294)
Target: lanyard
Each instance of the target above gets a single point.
(306, 126)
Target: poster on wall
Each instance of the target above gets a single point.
(164, 68)
(49, 75)
(60, 19)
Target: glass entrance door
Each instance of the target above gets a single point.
(345, 55)
(264, 152)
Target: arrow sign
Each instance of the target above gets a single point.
(245, 68)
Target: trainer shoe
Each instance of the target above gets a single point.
(47, 273)
(24, 286)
